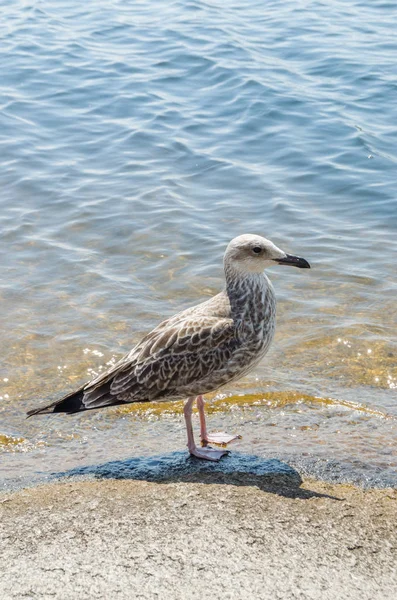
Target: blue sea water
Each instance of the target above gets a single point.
(138, 138)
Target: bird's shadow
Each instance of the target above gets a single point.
(269, 475)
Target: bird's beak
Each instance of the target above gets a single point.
(293, 261)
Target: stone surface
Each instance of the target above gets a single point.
(186, 540)
(179, 466)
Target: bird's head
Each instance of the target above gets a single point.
(253, 253)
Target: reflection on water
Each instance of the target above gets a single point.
(136, 141)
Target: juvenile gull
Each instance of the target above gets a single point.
(199, 349)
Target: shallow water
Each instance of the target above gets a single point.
(136, 140)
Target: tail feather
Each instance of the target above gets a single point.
(69, 404)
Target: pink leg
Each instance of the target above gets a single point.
(206, 453)
(203, 425)
(220, 437)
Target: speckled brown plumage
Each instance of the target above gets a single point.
(200, 349)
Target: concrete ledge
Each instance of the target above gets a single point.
(124, 539)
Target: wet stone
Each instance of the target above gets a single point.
(235, 468)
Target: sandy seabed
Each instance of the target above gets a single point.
(186, 540)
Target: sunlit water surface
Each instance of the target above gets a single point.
(136, 140)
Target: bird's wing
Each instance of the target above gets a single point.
(170, 357)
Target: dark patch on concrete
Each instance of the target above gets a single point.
(234, 469)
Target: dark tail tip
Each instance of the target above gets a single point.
(69, 404)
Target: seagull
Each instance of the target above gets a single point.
(199, 349)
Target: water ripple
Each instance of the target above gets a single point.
(136, 139)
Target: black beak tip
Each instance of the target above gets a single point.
(303, 264)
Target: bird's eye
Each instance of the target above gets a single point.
(257, 249)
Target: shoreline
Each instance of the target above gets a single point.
(209, 534)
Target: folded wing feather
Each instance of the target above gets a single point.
(170, 357)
